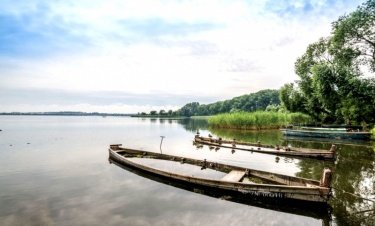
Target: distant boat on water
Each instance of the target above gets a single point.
(333, 132)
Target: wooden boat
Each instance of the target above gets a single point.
(352, 142)
(274, 186)
(267, 149)
(316, 210)
(346, 126)
(323, 129)
(327, 133)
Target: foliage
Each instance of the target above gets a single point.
(334, 85)
(246, 103)
(355, 33)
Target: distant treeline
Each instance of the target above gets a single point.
(66, 113)
(264, 100)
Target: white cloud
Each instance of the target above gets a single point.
(216, 49)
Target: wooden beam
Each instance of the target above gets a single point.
(234, 176)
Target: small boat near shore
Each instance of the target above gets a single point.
(327, 132)
(249, 182)
(327, 141)
(267, 149)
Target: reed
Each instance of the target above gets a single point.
(257, 120)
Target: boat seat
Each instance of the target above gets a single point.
(234, 176)
(311, 185)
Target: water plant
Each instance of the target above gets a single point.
(257, 120)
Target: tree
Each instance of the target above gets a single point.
(292, 99)
(247, 102)
(333, 84)
(356, 33)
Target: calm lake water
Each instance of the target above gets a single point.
(54, 170)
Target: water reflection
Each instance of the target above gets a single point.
(194, 125)
(62, 177)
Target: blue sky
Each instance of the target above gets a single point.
(133, 56)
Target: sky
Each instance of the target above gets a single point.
(125, 56)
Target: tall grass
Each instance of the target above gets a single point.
(257, 120)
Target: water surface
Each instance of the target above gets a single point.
(54, 170)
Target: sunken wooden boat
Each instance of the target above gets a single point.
(330, 133)
(237, 179)
(315, 210)
(268, 149)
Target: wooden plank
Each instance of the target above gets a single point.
(234, 176)
(311, 185)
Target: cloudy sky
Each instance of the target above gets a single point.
(133, 56)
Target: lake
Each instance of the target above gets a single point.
(54, 170)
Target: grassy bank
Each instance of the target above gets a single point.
(257, 120)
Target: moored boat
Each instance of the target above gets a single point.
(327, 133)
(237, 179)
(267, 149)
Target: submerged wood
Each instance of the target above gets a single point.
(268, 149)
(278, 186)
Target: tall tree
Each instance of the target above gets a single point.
(334, 82)
(356, 32)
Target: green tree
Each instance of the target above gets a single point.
(333, 85)
(355, 33)
(292, 99)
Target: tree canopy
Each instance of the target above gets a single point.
(262, 100)
(337, 73)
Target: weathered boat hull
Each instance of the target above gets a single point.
(288, 187)
(360, 127)
(358, 142)
(327, 134)
(317, 210)
(270, 149)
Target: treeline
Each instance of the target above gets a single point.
(260, 101)
(66, 113)
(337, 72)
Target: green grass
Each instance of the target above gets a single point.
(257, 120)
